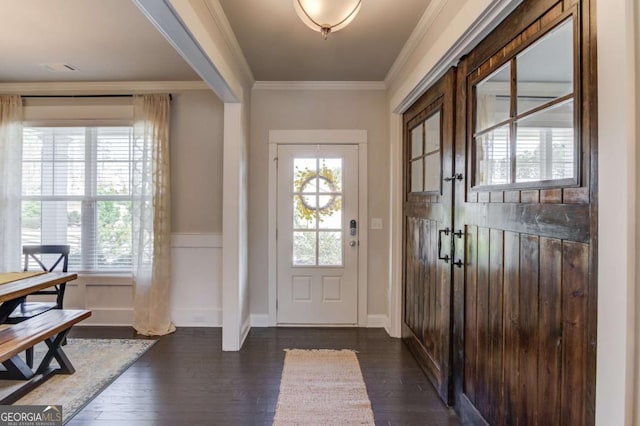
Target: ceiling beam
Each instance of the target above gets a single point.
(201, 52)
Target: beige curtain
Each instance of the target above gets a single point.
(10, 182)
(151, 215)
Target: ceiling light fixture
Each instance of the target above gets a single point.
(327, 16)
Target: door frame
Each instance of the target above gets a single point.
(318, 137)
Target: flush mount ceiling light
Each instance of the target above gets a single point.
(327, 16)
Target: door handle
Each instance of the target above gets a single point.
(457, 176)
(458, 234)
(446, 257)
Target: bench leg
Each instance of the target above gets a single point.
(6, 308)
(17, 369)
(55, 351)
(29, 357)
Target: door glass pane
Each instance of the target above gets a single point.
(493, 165)
(330, 248)
(304, 248)
(416, 141)
(545, 70)
(545, 145)
(416, 175)
(492, 98)
(432, 133)
(330, 176)
(304, 175)
(304, 213)
(330, 212)
(432, 172)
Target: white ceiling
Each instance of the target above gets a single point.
(107, 40)
(111, 40)
(279, 47)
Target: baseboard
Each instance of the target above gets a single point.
(259, 320)
(377, 321)
(197, 317)
(112, 317)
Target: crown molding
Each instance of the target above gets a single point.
(222, 23)
(428, 17)
(319, 85)
(494, 13)
(99, 87)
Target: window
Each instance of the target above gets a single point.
(76, 190)
(425, 158)
(317, 212)
(524, 116)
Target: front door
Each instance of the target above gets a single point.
(317, 234)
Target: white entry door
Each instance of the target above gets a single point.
(317, 234)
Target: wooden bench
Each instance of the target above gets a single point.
(50, 327)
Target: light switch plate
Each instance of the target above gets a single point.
(376, 223)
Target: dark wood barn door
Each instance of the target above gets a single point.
(525, 299)
(429, 131)
(505, 327)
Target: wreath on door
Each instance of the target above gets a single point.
(325, 177)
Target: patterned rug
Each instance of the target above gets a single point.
(98, 362)
(322, 387)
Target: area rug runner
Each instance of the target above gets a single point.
(322, 387)
(97, 362)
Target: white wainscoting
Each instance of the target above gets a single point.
(197, 287)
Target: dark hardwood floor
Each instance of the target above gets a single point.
(186, 379)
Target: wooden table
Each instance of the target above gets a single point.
(11, 293)
(50, 327)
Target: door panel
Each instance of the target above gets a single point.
(428, 222)
(317, 280)
(524, 302)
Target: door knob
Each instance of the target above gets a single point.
(352, 243)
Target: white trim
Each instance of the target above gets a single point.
(363, 234)
(395, 228)
(272, 225)
(189, 240)
(328, 137)
(313, 137)
(426, 21)
(109, 317)
(52, 88)
(231, 224)
(426, 73)
(260, 320)
(319, 85)
(221, 21)
(197, 317)
(377, 321)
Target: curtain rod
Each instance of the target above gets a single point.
(83, 96)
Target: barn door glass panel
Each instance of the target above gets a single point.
(525, 116)
(425, 162)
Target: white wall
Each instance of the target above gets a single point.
(318, 109)
(617, 215)
(196, 179)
